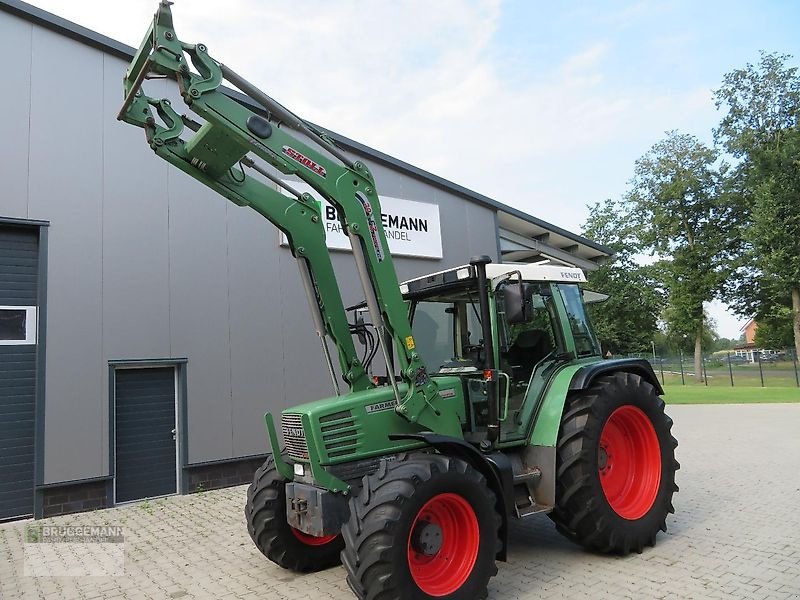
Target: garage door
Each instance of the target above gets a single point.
(19, 260)
(145, 447)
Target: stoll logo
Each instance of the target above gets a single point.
(305, 161)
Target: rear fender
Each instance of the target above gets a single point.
(575, 378)
(638, 366)
(569, 380)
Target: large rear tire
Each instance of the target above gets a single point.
(284, 545)
(615, 466)
(425, 527)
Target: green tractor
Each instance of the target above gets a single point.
(492, 401)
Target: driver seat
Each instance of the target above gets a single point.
(529, 347)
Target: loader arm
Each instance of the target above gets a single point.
(231, 144)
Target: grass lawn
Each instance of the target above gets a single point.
(745, 377)
(700, 394)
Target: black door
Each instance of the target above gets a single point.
(144, 430)
(19, 285)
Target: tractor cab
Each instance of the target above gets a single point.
(537, 321)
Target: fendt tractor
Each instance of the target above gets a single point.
(492, 401)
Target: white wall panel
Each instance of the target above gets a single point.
(15, 104)
(255, 327)
(66, 186)
(199, 309)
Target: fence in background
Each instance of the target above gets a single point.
(727, 369)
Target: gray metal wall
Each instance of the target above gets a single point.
(144, 262)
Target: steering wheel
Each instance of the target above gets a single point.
(475, 349)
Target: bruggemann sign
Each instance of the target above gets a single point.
(412, 228)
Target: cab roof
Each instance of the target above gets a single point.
(529, 272)
(464, 275)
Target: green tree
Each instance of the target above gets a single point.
(774, 330)
(679, 335)
(725, 344)
(761, 129)
(628, 320)
(681, 213)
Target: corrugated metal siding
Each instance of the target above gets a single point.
(145, 418)
(17, 410)
(19, 261)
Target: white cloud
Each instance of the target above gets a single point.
(423, 81)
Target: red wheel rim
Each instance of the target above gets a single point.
(629, 461)
(312, 540)
(441, 567)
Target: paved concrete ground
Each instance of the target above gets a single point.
(736, 534)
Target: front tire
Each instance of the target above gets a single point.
(615, 466)
(284, 545)
(424, 527)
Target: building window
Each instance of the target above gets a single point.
(17, 325)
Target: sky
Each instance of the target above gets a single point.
(544, 106)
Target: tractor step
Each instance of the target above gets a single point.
(533, 509)
(524, 502)
(527, 478)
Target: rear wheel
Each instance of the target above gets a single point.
(424, 527)
(615, 466)
(284, 545)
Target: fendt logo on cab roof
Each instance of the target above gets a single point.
(568, 275)
(305, 161)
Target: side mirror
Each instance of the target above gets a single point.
(516, 303)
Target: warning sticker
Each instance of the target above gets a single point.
(410, 343)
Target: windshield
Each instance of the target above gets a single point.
(447, 330)
(585, 342)
(433, 333)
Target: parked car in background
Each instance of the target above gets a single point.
(734, 359)
(770, 358)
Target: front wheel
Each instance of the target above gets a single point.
(425, 527)
(615, 466)
(284, 545)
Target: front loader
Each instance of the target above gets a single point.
(491, 403)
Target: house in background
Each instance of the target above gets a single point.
(750, 350)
